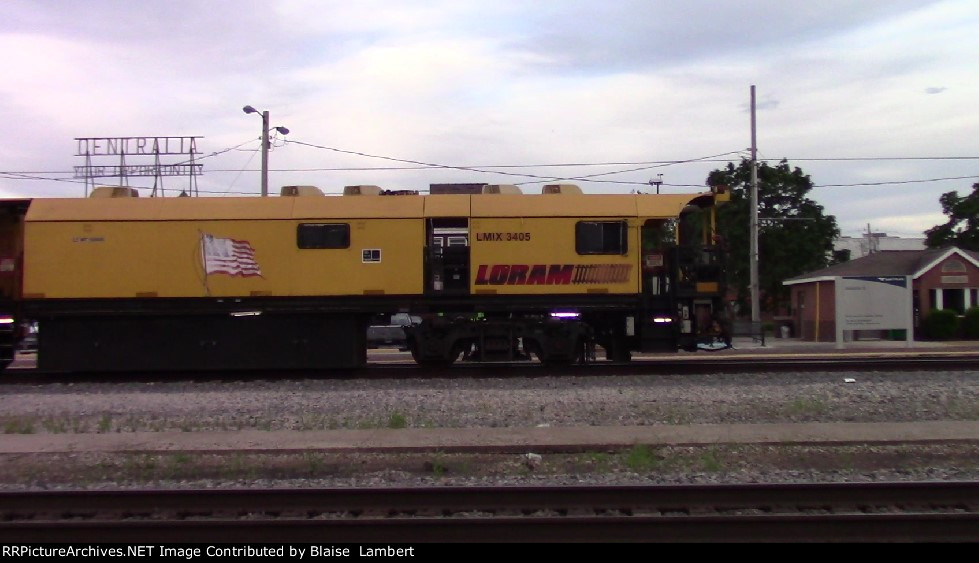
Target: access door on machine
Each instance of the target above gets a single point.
(447, 256)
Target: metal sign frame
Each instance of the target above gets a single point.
(123, 147)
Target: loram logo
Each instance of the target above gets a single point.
(552, 274)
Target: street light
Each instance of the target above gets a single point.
(658, 182)
(265, 145)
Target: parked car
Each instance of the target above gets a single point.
(28, 342)
(388, 331)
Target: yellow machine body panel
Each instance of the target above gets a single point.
(128, 250)
(526, 245)
(448, 205)
(553, 205)
(358, 207)
(159, 247)
(537, 256)
(668, 206)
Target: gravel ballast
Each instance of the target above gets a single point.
(89, 409)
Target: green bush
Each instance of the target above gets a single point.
(970, 324)
(941, 324)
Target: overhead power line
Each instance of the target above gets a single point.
(499, 169)
(484, 169)
(22, 176)
(893, 182)
(419, 166)
(881, 158)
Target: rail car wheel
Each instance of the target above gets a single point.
(413, 348)
(533, 348)
(619, 354)
(551, 359)
(434, 361)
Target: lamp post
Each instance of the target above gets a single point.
(265, 146)
(753, 221)
(657, 183)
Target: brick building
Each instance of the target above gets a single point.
(942, 278)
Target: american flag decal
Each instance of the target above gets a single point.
(228, 256)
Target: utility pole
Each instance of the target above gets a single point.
(657, 183)
(265, 145)
(873, 241)
(753, 248)
(265, 153)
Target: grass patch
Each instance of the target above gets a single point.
(313, 463)
(710, 462)
(105, 424)
(239, 466)
(642, 458)
(188, 426)
(55, 425)
(437, 467)
(142, 467)
(177, 466)
(803, 406)
(676, 417)
(601, 460)
(18, 425)
(397, 420)
(963, 409)
(309, 422)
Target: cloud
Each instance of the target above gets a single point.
(766, 103)
(507, 82)
(638, 34)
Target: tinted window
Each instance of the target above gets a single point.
(601, 237)
(323, 235)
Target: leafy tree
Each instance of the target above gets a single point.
(970, 323)
(962, 228)
(840, 256)
(802, 243)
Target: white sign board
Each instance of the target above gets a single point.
(873, 303)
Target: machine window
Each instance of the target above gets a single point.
(601, 237)
(323, 235)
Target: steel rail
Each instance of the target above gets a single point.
(930, 511)
(771, 528)
(407, 370)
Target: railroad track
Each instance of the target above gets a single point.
(933, 511)
(727, 364)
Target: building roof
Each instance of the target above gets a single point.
(888, 263)
(876, 242)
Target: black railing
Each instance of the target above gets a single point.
(754, 329)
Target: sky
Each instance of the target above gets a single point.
(875, 100)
